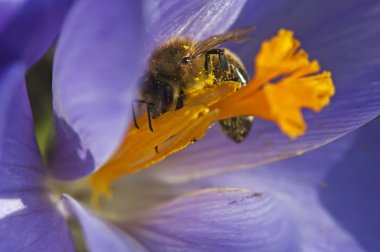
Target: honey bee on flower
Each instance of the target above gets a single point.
(186, 108)
(182, 68)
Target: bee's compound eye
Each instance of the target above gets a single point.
(164, 96)
(186, 60)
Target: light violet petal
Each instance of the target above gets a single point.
(332, 191)
(96, 70)
(29, 27)
(28, 219)
(345, 39)
(29, 222)
(100, 235)
(198, 19)
(219, 219)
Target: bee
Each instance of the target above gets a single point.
(182, 66)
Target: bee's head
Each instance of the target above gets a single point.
(167, 61)
(160, 94)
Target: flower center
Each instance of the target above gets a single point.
(285, 82)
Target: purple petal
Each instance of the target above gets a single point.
(198, 19)
(8, 10)
(20, 160)
(28, 219)
(223, 219)
(333, 191)
(28, 28)
(97, 66)
(345, 39)
(100, 235)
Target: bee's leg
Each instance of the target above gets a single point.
(242, 76)
(133, 111)
(238, 75)
(222, 59)
(180, 100)
(148, 108)
(134, 116)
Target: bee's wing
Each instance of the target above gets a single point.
(235, 36)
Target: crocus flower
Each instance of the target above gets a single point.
(308, 203)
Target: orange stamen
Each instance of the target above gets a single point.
(285, 82)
